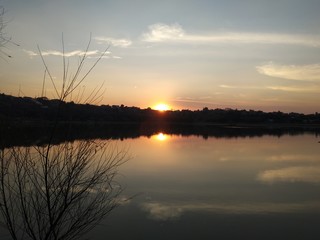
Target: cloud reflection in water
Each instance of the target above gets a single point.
(307, 174)
(171, 211)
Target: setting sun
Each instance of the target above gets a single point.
(161, 107)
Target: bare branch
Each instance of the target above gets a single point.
(59, 192)
(60, 196)
(47, 70)
(4, 39)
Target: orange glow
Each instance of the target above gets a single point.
(161, 107)
(161, 137)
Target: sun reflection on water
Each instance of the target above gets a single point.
(161, 137)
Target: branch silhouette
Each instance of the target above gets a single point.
(59, 192)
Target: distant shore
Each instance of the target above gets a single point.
(26, 121)
(26, 109)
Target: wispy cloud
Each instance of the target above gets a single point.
(109, 56)
(293, 72)
(30, 53)
(300, 89)
(294, 89)
(59, 53)
(89, 54)
(175, 33)
(117, 42)
(161, 32)
(200, 100)
(69, 54)
(239, 87)
(294, 158)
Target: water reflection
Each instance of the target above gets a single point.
(223, 188)
(164, 211)
(37, 135)
(161, 137)
(264, 187)
(307, 174)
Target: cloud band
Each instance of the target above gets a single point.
(174, 33)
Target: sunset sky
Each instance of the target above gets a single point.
(249, 54)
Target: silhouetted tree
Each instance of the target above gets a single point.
(58, 192)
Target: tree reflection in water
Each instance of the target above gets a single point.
(58, 191)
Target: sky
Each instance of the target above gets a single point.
(189, 54)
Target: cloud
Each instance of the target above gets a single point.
(94, 54)
(298, 89)
(293, 89)
(291, 174)
(293, 158)
(238, 87)
(69, 54)
(161, 32)
(120, 42)
(59, 53)
(199, 100)
(174, 33)
(292, 72)
(30, 53)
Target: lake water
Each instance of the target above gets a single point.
(218, 188)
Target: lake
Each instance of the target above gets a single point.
(217, 186)
(265, 187)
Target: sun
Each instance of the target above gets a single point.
(161, 107)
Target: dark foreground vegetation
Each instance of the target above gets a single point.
(43, 109)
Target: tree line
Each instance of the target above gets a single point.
(44, 109)
(33, 109)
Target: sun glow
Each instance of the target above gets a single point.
(161, 107)
(161, 137)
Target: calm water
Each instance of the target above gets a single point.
(219, 188)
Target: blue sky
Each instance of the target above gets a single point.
(189, 54)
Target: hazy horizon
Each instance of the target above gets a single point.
(260, 55)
